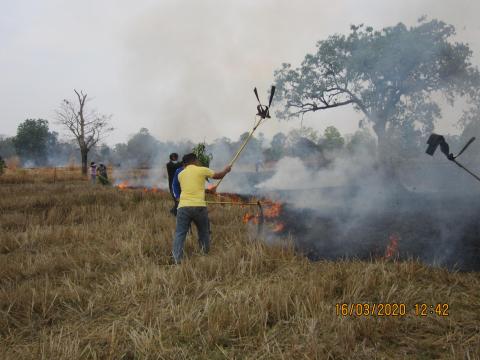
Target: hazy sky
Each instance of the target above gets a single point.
(183, 68)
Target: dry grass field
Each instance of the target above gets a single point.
(85, 273)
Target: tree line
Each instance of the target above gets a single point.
(35, 144)
(394, 77)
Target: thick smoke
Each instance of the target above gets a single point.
(350, 208)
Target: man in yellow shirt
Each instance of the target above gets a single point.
(192, 205)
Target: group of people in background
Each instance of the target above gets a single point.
(186, 182)
(99, 173)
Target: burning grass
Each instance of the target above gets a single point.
(86, 273)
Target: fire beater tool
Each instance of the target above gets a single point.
(263, 113)
(438, 140)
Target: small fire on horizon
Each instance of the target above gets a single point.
(392, 248)
(125, 185)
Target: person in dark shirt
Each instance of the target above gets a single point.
(2, 165)
(103, 175)
(172, 167)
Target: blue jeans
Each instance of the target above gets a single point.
(185, 216)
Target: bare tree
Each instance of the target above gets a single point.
(87, 126)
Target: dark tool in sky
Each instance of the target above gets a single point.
(262, 114)
(434, 141)
(264, 110)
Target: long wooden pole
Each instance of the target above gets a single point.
(231, 203)
(245, 142)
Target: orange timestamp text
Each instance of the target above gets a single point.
(390, 309)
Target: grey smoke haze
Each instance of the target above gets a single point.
(348, 209)
(183, 69)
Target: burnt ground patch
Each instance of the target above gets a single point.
(437, 230)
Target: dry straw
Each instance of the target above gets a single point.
(86, 274)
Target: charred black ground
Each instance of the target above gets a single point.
(436, 229)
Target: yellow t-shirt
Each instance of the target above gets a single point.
(192, 182)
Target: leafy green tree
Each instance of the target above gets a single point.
(105, 151)
(31, 141)
(253, 151)
(333, 138)
(120, 153)
(2, 165)
(52, 141)
(279, 140)
(277, 147)
(470, 126)
(142, 148)
(362, 140)
(406, 141)
(303, 132)
(7, 147)
(389, 75)
(203, 157)
(243, 137)
(261, 139)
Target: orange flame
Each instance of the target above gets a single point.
(212, 188)
(247, 217)
(273, 211)
(232, 197)
(392, 247)
(123, 185)
(279, 227)
(250, 218)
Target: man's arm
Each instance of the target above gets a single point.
(221, 174)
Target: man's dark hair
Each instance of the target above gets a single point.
(173, 156)
(189, 158)
(92, 163)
